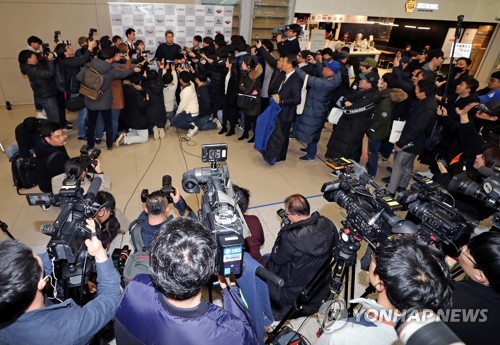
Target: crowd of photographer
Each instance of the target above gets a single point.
(176, 258)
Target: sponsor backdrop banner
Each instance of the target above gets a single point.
(150, 21)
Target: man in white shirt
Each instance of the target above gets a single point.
(188, 106)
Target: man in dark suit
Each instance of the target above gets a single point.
(286, 91)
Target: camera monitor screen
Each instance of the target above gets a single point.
(37, 199)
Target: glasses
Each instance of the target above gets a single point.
(464, 250)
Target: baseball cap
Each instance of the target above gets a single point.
(333, 65)
(405, 59)
(372, 77)
(369, 62)
(339, 56)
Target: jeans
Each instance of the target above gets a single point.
(92, 120)
(373, 149)
(81, 119)
(183, 120)
(204, 123)
(51, 108)
(136, 136)
(11, 151)
(311, 150)
(99, 128)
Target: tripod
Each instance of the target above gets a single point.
(341, 268)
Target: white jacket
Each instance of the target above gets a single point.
(169, 92)
(189, 101)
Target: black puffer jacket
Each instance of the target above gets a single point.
(42, 78)
(155, 110)
(347, 138)
(250, 85)
(298, 253)
(133, 115)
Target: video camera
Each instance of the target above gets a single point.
(488, 191)
(426, 200)
(166, 189)
(92, 31)
(68, 233)
(219, 211)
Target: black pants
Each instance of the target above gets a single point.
(91, 122)
(250, 123)
(229, 114)
(61, 106)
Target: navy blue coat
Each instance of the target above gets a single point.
(308, 126)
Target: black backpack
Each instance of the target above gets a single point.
(23, 172)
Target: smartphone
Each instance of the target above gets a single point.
(256, 37)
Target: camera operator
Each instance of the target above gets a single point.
(77, 168)
(51, 155)
(406, 273)
(300, 250)
(480, 259)
(42, 81)
(24, 317)
(166, 307)
(290, 45)
(71, 66)
(110, 226)
(155, 214)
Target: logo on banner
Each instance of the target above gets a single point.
(410, 5)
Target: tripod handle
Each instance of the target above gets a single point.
(269, 276)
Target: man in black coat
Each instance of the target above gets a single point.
(42, 80)
(347, 138)
(299, 252)
(291, 45)
(285, 89)
(50, 154)
(421, 118)
(169, 50)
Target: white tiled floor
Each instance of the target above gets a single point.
(135, 167)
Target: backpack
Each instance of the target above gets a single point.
(91, 84)
(138, 262)
(23, 172)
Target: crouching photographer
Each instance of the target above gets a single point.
(303, 246)
(24, 316)
(82, 169)
(459, 175)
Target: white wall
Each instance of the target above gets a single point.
(475, 10)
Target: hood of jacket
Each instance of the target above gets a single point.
(398, 95)
(26, 67)
(256, 72)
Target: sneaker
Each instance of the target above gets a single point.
(217, 122)
(167, 124)
(307, 159)
(67, 128)
(156, 134)
(386, 179)
(120, 140)
(303, 149)
(82, 139)
(98, 141)
(192, 131)
(110, 148)
(41, 115)
(46, 207)
(161, 132)
(70, 123)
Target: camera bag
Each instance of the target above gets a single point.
(138, 262)
(91, 84)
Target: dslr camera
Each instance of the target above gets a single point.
(219, 211)
(90, 157)
(166, 189)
